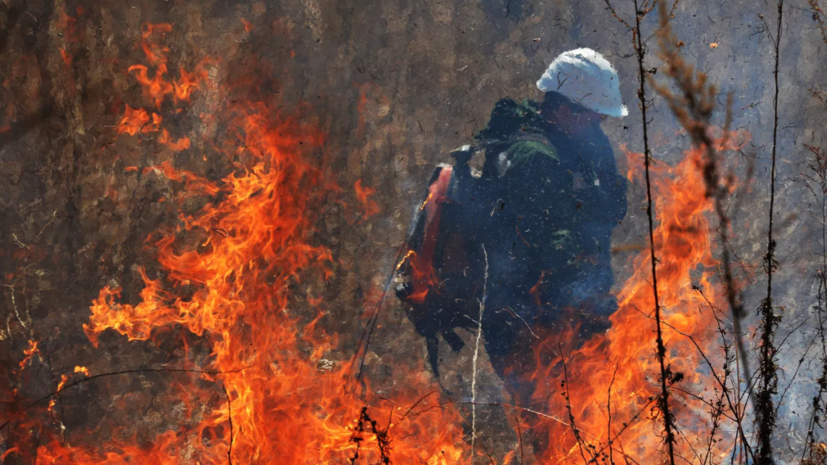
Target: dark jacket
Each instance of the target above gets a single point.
(543, 209)
(562, 195)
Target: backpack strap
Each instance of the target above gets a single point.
(418, 267)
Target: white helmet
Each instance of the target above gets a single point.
(585, 77)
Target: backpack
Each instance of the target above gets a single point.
(436, 277)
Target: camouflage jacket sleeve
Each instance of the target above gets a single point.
(537, 193)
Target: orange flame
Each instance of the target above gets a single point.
(426, 201)
(189, 83)
(624, 358)
(287, 394)
(133, 121)
(282, 405)
(363, 194)
(157, 88)
(29, 353)
(174, 145)
(155, 53)
(67, 57)
(424, 277)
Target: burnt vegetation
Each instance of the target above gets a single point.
(741, 397)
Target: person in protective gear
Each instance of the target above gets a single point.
(537, 221)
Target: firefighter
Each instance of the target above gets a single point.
(528, 236)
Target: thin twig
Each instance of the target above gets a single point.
(230, 415)
(766, 417)
(795, 374)
(476, 355)
(736, 408)
(616, 16)
(516, 407)
(584, 448)
(626, 425)
(819, 17)
(414, 405)
(715, 417)
(367, 331)
(689, 443)
(609, 411)
(520, 439)
(819, 167)
(665, 374)
(721, 382)
(114, 373)
(693, 107)
(699, 398)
